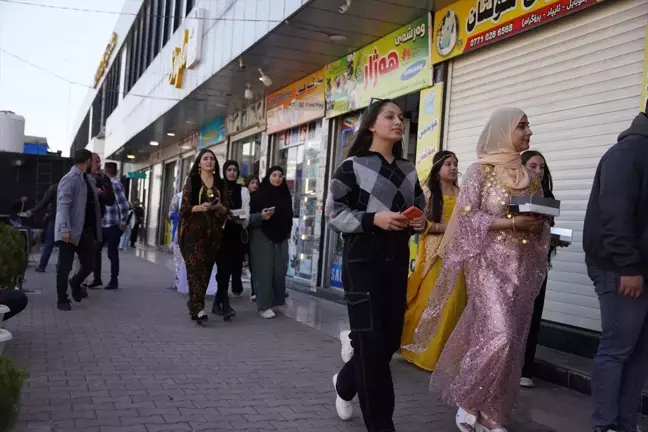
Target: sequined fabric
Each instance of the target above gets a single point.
(480, 367)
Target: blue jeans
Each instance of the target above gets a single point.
(48, 244)
(621, 363)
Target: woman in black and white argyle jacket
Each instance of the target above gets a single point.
(366, 198)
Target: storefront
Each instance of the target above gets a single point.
(579, 80)
(396, 67)
(298, 138)
(246, 129)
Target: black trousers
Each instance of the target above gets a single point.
(85, 251)
(374, 274)
(135, 233)
(229, 261)
(111, 237)
(532, 341)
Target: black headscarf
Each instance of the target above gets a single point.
(279, 226)
(233, 188)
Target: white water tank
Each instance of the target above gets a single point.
(12, 132)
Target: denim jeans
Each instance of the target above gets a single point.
(621, 363)
(111, 237)
(48, 244)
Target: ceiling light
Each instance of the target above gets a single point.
(248, 92)
(185, 147)
(345, 6)
(190, 122)
(154, 143)
(130, 156)
(265, 79)
(337, 38)
(170, 133)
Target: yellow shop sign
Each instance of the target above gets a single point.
(179, 62)
(467, 25)
(103, 64)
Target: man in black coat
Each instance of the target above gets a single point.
(615, 240)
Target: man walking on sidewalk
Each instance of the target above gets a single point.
(78, 227)
(48, 203)
(615, 240)
(114, 224)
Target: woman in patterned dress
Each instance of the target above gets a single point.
(504, 263)
(203, 213)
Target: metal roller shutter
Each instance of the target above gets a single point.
(579, 81)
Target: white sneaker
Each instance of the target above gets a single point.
(467, 422)
(347, 349)
(526, 382)
(268, 314)
(344, 408)
(253, 298)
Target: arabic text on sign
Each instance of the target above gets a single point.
(377, 66)
(492, 10)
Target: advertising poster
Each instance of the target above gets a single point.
(644, 79)
(468, 25)
(393, 66)
(296, 104)
(428, 138)
(212, 133)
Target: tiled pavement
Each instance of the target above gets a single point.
(132, 361)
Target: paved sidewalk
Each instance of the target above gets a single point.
(132, 361)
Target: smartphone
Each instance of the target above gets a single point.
(270, 209)
(413, 213)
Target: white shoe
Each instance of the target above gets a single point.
(253, 298)
(526, 382)
(344, 408)
(467, 422)
(347, 349)
(268, 314)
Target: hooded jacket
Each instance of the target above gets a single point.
(615, 233)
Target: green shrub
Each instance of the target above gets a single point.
(13, 258)
(11, 382)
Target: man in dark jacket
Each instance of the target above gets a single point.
(47, 204)
(615, 240)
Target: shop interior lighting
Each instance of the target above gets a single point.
(171, 134)
(154, 143)
(345, 6)
(265, 79)
(337, 38)
(130, 156)
(248, 92)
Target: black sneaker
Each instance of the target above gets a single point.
(94, 285)
(84, 292)
(40, 270)
(227, 316)
(64, 306)
(217, 310)
(112, 286)
(77, 292)
(200, 320)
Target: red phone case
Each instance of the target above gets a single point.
(413, 213)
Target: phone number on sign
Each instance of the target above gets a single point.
(491, 35)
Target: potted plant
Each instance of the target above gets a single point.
(13, 257)
(11, 382)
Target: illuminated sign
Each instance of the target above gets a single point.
(101, 69)
(179, 62)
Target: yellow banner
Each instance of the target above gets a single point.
(467, 25)
(428, 138)
(644, 80)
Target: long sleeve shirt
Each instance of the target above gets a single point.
(117, 214)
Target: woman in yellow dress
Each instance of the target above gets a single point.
(441, 192)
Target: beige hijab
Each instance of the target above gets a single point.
(495, 147)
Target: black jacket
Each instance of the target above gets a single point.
(107, 198)
(48, 203)
(615, 234)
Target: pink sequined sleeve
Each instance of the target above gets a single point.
(473, 225)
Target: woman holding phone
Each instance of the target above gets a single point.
(270, 227)
(369, 200)
(202, 215)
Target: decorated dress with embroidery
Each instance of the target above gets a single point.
(481, 365)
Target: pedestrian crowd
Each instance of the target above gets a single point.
(470, 311)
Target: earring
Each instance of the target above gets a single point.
(438, 176)
(214, 172)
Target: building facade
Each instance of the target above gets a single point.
(284, 82)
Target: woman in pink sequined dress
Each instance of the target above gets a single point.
(504, 261)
